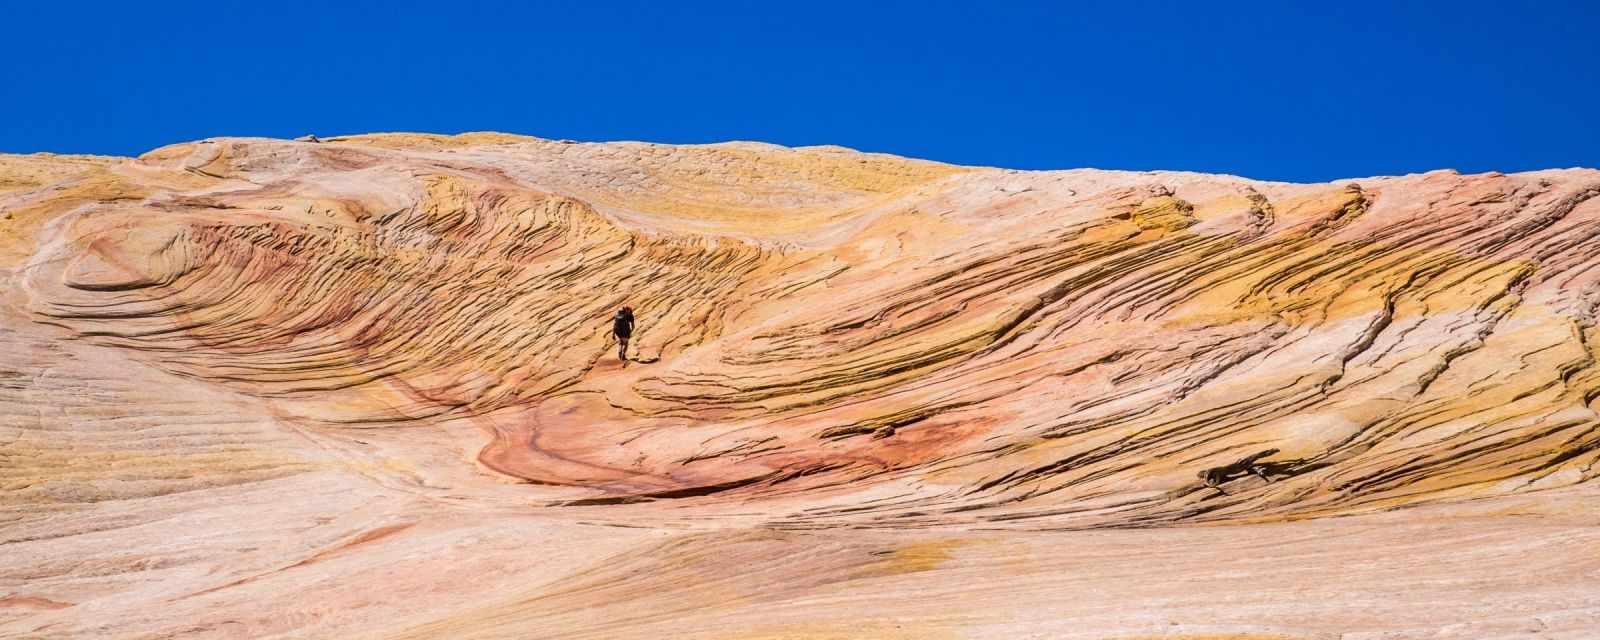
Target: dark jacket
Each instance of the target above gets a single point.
(622, 324)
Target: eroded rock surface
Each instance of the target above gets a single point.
(248, 377)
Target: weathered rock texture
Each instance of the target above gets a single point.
(365, 387)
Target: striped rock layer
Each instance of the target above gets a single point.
(245, 374)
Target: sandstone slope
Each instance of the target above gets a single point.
(258, 388)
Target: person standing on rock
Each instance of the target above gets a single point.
(622, 326)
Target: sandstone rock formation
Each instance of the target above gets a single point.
(364, 387)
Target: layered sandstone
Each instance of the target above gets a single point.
(366, 386)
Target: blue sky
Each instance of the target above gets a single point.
(1275, 90)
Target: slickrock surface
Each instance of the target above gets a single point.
(365, 388)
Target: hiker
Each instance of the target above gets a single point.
(622, 325)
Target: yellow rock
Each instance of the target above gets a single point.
(367, 388)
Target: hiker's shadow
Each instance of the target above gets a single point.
(647, 360)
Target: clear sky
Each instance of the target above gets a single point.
(1304, 91)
